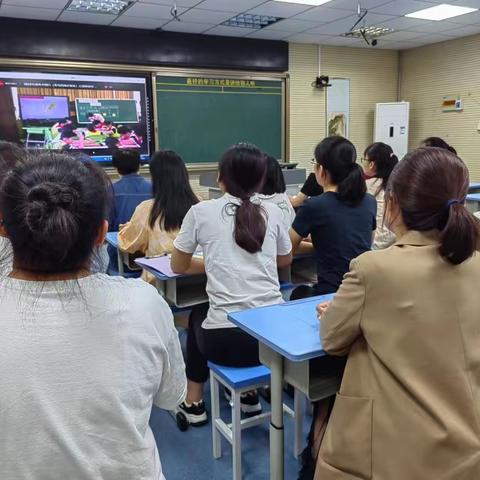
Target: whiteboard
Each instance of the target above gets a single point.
(338, 107)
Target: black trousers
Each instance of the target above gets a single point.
(230, 347)
(305, 291)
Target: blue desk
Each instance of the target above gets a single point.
(184, 291)
(289, 340)
(112, 239)
(180, 291)
(473, 202)
(474, 187)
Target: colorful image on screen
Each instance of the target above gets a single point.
(95, 114)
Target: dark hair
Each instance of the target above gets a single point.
(67, 133)
(122, 129)
(242, 171)
(90, 114)
(438, 143)
(338, 157)
(53, 207)
(172, 194)
(65, 120)
(93, 126)
(81, 156)
(430, 186)
(112, 143)
(126, 161)
(274, 181)
(10, 155)
(384, 159)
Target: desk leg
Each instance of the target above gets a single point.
(276, 424)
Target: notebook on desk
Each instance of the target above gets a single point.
(160, 264)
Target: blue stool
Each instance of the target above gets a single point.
(238, 381)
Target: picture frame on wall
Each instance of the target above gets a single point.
(338, 107)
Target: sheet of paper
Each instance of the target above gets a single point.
(161, 264)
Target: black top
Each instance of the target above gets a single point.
(339, 233)
(311, 188)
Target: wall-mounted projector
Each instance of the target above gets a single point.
(322, 81)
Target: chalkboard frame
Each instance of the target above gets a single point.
(232, 74)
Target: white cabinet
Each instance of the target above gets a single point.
(391, 126)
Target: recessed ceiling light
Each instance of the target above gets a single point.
(441, 12)
(305, 2)
(111, 7)
(248, 20)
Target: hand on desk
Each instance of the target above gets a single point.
(322, 308)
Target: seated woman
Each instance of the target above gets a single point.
(243, 243)
(378, 163)
(407, 317)
(273, 191)
(310, 188)
(83, 357)
(438, 142)
(156, 222)
(341, 221)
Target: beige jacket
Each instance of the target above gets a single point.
(409, 404)
(383, 236)
(137, 236)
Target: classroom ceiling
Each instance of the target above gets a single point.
(302, 23)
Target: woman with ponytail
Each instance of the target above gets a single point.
(243, 243)
(378, 163)
(341, 221)
(407, 317)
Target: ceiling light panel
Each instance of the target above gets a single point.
(111, 7)
(441, 12)
(247, 20)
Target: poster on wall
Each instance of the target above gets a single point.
(452, 103)
(338, 107)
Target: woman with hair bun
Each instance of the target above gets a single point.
(407, 317)
(378, 163)
(82, 357)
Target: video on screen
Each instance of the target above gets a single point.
(93, 114)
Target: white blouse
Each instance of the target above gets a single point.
(383, 236)
(81, 364)
(236, 279)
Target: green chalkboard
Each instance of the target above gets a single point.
(200, 117)
(118, 111)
